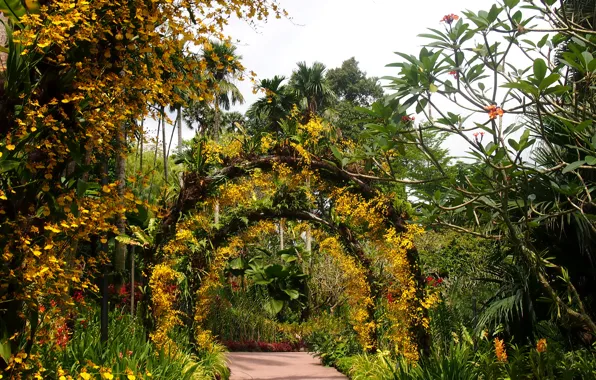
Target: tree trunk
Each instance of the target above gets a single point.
(179, 120)
(308, 230)
(216, 138)
(154, 159)
(120, 248)
(132, 281)
(281, 234)
(216, 120)
(142, 138)
(165, 152)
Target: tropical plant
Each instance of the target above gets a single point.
(529, 178)
(275, 106)
(223, 66)
(284, 282)
(76, 80)
(126, 353)
(311, 87)
(351, 84)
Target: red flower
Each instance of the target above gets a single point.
(450, 18)
(455, 74)
(494, 111)
(123, 291)
(389, 297)
(42, 308)
(407, 119)
(429, 279)
(476, 134)
(62, 335)
(78, 296)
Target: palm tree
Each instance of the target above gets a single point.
(275, 106)
(313, 90)
(222, 68)
(311, 87)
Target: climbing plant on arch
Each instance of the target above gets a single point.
(255, 180)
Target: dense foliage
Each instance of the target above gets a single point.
(330, 215)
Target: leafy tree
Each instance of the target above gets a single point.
(350, 83)
(76, 79)
(531, 183)
(312, 88)
(275, 106)
(354, 89)
(223, 67)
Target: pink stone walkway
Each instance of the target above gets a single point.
(279, 366)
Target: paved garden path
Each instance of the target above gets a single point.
(279, 366)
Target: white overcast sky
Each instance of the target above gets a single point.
(331, 31)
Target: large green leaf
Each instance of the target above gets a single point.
(274, 306)
(539, 69)
(292, 293)
(573, 166)
(288, 258)
(7, 165)
(275, 271)
(5, 351)
(237, 263)
(125, 239)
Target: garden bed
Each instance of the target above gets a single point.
(258, 346)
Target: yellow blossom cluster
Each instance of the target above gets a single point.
(164, 291)
(259, 230)
(247, 189)
(185, 241)
(234, 148)
(357, 290)
(213, 152)
(91, 68)
(210, 283)
(313, 131)
(282, 170)
(406, 307)
(354, 209)
(94, 371)
(305, 154)
(266, 143)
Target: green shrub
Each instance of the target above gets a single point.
(240, 316)
(460, 362)
(332, 338)
(127, 352)
(345, 364)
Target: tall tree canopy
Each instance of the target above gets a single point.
(350, 83)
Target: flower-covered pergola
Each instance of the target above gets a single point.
(288, 181)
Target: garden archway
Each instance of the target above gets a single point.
(353, 210)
